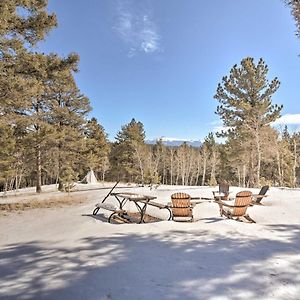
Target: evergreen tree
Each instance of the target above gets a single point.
(22, 23)
(7, 150)
(295, 9)
(67, 111)
(38, 92)
(246, 107)
(97, 147)
(127, 156)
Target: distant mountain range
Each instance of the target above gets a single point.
(175, 142)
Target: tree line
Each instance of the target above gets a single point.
(46, 136)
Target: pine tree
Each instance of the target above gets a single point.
(97, 147)
(7, 150)
(295, 10)
(38, 93)
(246, 107)
(22, 23)
(67, 112)
(127, 156)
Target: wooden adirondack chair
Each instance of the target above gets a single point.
(182, 207)
(239, 209)
(223, 192)
(262, 193)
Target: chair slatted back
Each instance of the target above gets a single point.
(242, 199)
(181, 205)
(263, 190)
(224, 188)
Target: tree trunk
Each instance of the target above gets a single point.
(19, 181)
(60, 182)
(5, 187)
(251, 170)
(177, 175)
(213, 169)
(244, 175)
(140, 163)
(198, 170)
(295, 163)
(258, 152)
(171, 166)
(204, 171)
(279, 167)
(38, 170)
(239, 175)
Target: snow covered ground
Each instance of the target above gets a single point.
(66, 253)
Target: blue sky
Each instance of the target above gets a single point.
(160, 61)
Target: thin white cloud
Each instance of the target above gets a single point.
(220, 128)
(217, 126)
(288, 119)
(137, 29)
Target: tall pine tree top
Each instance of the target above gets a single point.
(246, 96)
(24, 20)
(133, 131)
(295, 9)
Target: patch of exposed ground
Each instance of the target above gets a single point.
(52, 202)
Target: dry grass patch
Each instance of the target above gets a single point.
(47, 203)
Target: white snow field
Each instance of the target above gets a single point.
(66, 253)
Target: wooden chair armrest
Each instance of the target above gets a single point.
(259, 196)
(225, 204)
(228, 205)
(197, 202)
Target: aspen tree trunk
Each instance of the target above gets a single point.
(182, 171)
(251, 170)
(19, 181)
(171, 166)
(16, 182)
(213, 168)
(177, 173)
(5, 187)
(140, 164)
(182, 178)
(176, 180)
(198, 172)
(279, 167)
(295, 163)
(204, 171)
(11, 184)
(244, 175)
(164, 173)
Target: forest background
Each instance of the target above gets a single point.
(46, 136)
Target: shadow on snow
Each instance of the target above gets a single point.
(175, 265)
